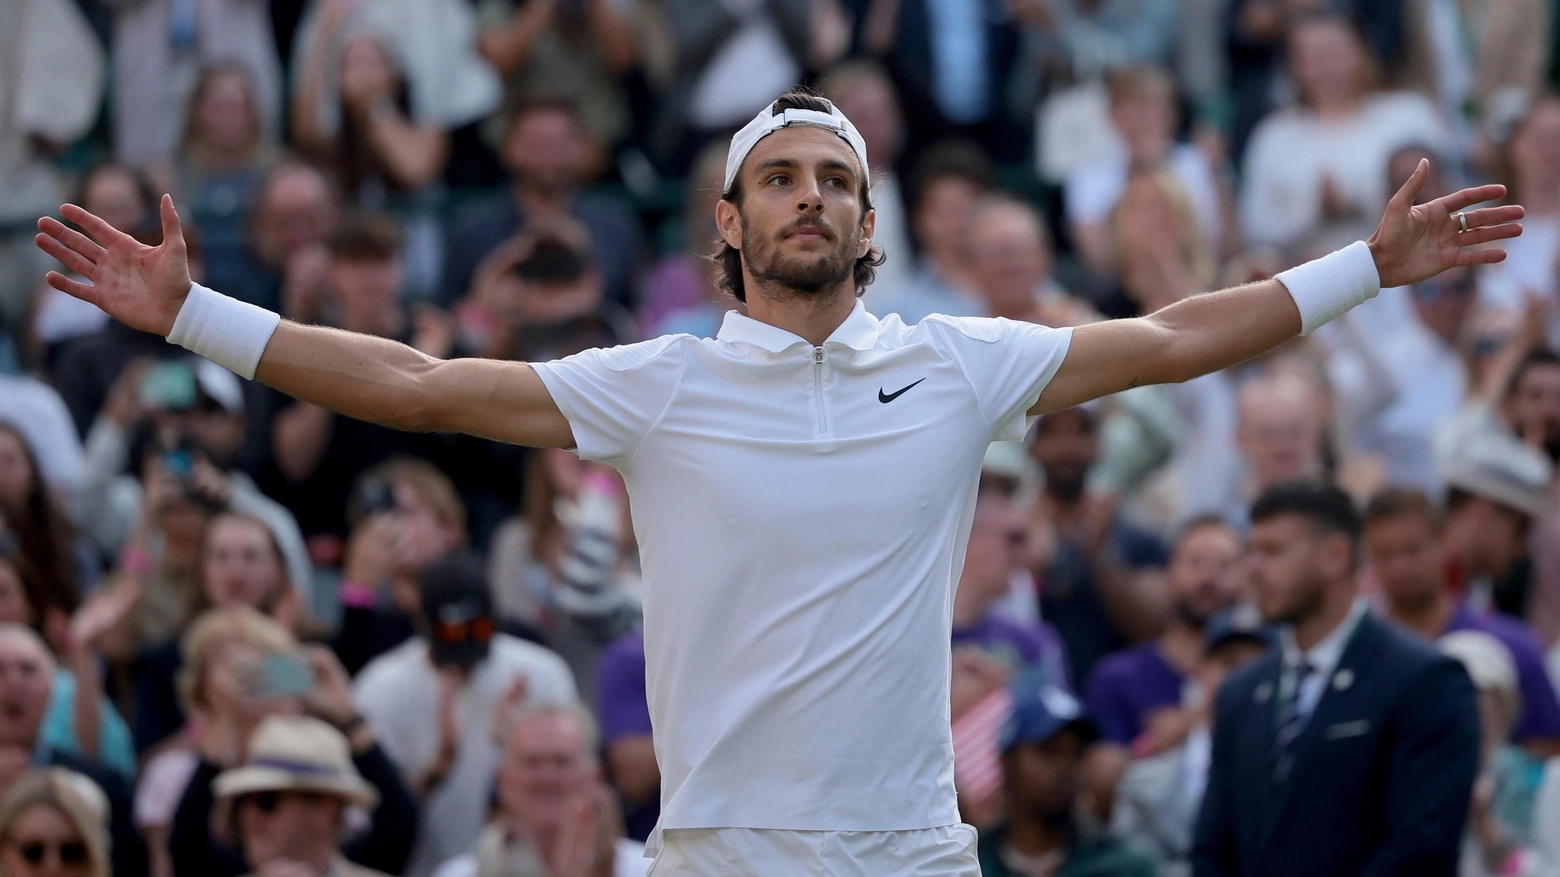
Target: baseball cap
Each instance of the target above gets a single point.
(1486, 460)
(1041, 711)
(458, 611)
(768, 121)
(1239, 622)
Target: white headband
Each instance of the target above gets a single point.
(768, 122)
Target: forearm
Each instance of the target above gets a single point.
(414, 156)
(360, 376)
(508, 46)
(299, 438)
(618, 50)
(86, 714)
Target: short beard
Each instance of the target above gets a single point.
(797, 274)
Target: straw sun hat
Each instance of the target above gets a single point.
(296, 754)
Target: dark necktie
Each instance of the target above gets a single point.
(1291, 721)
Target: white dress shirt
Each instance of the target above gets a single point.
(1322, 657)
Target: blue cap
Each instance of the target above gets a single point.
(1040, 712)
(1239, 622)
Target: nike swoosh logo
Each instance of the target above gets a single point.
(886, 398)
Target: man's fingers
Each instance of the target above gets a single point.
(173, 233)
(100, 230)
(1469, 197)
(1405, 196)
(1494, 215)
(66, 256)
(1479, 257)
(83, 291)
(71, 238)
(1475, 236)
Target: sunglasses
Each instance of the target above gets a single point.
(268, 802)
(71, 852)
(479, 629)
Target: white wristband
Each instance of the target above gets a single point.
(230, 333)
(1326, 288)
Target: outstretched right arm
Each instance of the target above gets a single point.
(361, 376)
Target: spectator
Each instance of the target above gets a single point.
(626, 739)
(1315, 173)
(681, 292)
(36, 410)
(241, 565)
(554, 814)
(580, 53)
(55, 90)
(318, 454)
(570, 575)
(434, 43)
(1157, 800)
(161, 44)
(224, 156)
(60, 319)
(1532, 402)
(242, 671)
(26, 674)
(1043, 752)
(996, 549)
(1532, 175)
(406, 516)
(191, 397)
(80, 719)
(951, 62)
(948, 184)
(1502, 836)
(283, 263)
(1350, 750)
(35, 520)
(1281, 436)
(863, 91)
(1495, 491)
(452, 673)
(54, 821)
(1011, 250)
(1139, 696)
(286, 806)
(1100, 586)
(546, 152)
(731, 58)
(384, 151)
(1160, 255)
(1404, 545)
(1143, 114)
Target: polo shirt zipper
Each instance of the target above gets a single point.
(823, 417)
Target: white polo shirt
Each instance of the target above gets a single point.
(802, 516)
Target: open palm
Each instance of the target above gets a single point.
(142, 287)
(1418, 241)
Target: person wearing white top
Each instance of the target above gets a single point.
(801, 485)
(1319, 167)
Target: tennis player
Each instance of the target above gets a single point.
(802, 485)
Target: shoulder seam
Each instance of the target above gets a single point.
(682, 369)
(980, 404)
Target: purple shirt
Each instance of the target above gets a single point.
(1020, 646)
(1540, 708)
(620, 690)
(1129, 686)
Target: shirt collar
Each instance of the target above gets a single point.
(859, 331)
(1328, 651)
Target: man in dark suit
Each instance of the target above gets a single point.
(1352, 748)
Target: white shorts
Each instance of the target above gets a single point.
(948, 851)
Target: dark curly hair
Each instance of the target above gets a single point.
(729, 258)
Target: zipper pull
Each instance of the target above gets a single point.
(818, 355)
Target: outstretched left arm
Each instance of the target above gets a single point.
(1209, 332)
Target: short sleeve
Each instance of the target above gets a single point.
(612, 396)
(1007, 362)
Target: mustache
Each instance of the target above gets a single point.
(815, 226)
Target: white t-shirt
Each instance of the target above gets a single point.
(1094, 188)
(1292, 152)
(398, 693)
(35, 410)
(802, 515)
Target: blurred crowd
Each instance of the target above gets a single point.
(240, 633)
